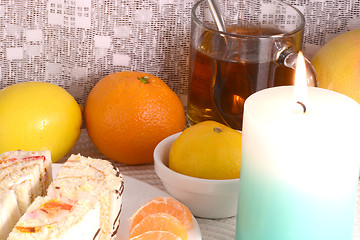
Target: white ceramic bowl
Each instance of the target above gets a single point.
(205, 198)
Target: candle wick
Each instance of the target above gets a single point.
(303, 105)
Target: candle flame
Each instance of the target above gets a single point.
(300, 80)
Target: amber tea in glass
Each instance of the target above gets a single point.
(226, 68)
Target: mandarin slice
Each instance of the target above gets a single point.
(159, 222)
(163, 205)
(156, 235)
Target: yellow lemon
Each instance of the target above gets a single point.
(337, 64)
(38, 116)
(207, 150)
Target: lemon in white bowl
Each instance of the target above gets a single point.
(207, 150)
(207, 198)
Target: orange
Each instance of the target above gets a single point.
(156, 235)
(128, 113)
(159, 222)
(163, 205)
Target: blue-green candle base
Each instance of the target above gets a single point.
(272, 210)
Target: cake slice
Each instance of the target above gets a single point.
(96, 180)
(27, 173)
(61, 219)
(9, 212)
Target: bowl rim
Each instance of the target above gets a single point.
(171, 177)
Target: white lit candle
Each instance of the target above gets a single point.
(300, 165)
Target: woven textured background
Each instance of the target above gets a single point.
(74, 43)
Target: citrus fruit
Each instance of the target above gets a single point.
(163, 205)
(38, 116)
(159, 222)
(156, 235)
(337, 64)
(128, 113)
(207, 150)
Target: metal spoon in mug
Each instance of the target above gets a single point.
(216, 14)
(218, 84)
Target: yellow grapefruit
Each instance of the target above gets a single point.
(337, 64)
(38, 116)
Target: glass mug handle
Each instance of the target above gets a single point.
(288, 59)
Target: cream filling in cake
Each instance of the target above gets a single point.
(60, 219)
(9, 212)
(95, 180)
(27, 173)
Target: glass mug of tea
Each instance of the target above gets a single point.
(258, 50)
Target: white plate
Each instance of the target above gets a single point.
(136, 194)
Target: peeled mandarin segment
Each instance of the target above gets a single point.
(163, 205)
(156, 235)
(159, 222)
